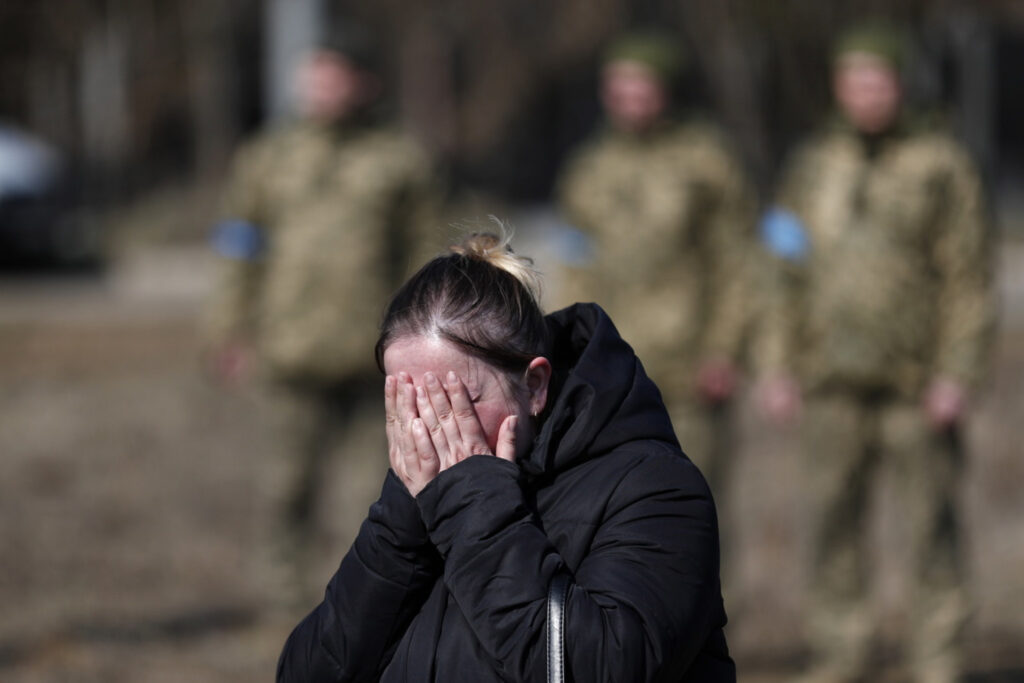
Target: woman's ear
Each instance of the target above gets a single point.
(538, 377)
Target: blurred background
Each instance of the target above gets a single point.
(129, 483)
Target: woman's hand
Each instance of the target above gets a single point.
(433, 426)
(453, 425)
(405, 431)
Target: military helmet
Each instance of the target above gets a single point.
(352, 40)
(658, 50)
(878, 38)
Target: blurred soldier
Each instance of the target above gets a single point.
(669, 213)
(881, 325)
(321, 215)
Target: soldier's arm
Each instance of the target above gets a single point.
(962, 254)
(780, 289)
(779, 269)
(584, 195)
(585, 203)
(416, 221)
(240, 239)
(729, 259)
(571, 191)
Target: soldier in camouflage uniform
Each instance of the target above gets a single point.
(669, 214)
(880, 325)
(322, 216)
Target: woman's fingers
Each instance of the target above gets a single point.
(427, 396)
(410, 451)
(391, 425)
(410, 458)
(467, 423)
(435, 425)
(446, 429)
(428, 464)
(505, 448)
(406, 400)
(407, 414)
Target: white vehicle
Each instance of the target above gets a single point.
(39, 220)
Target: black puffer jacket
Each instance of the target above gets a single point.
(452, 585)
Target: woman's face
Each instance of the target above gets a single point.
(495, 394)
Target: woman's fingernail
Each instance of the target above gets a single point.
(452, 378)
(430, 378)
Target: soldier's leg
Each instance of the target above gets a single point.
(308, 427)
(302, 426)
(695, 430)
(837, 465)
(355, 474)
(927, 469)
(705, 436)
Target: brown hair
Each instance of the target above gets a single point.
(481, 297)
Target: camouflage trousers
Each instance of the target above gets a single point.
(846, 438)
(706, 436)
(331, 457)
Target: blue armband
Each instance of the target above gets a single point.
(784, 234)
(239, 240)
(574, 247)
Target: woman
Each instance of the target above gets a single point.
(521, 447)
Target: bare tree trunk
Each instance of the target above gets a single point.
(211, 87)
(974, 47)
(51, 101)
(290, 28)
(426, 89)
(103, 104)
(729, 57)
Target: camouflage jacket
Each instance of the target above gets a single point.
(890, 283)
(670, 215)
(321, 225)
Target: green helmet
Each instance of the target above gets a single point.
(878, 38)
(657, 50)
(352, 40)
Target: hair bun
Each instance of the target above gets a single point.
(479, 296)
(496, 250)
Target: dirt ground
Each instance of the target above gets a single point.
(130, 504)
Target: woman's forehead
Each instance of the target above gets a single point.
(421, 354)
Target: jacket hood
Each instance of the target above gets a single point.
(601, 397)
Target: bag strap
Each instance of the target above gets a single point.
(557, 593)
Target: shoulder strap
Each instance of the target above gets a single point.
(557, 593)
